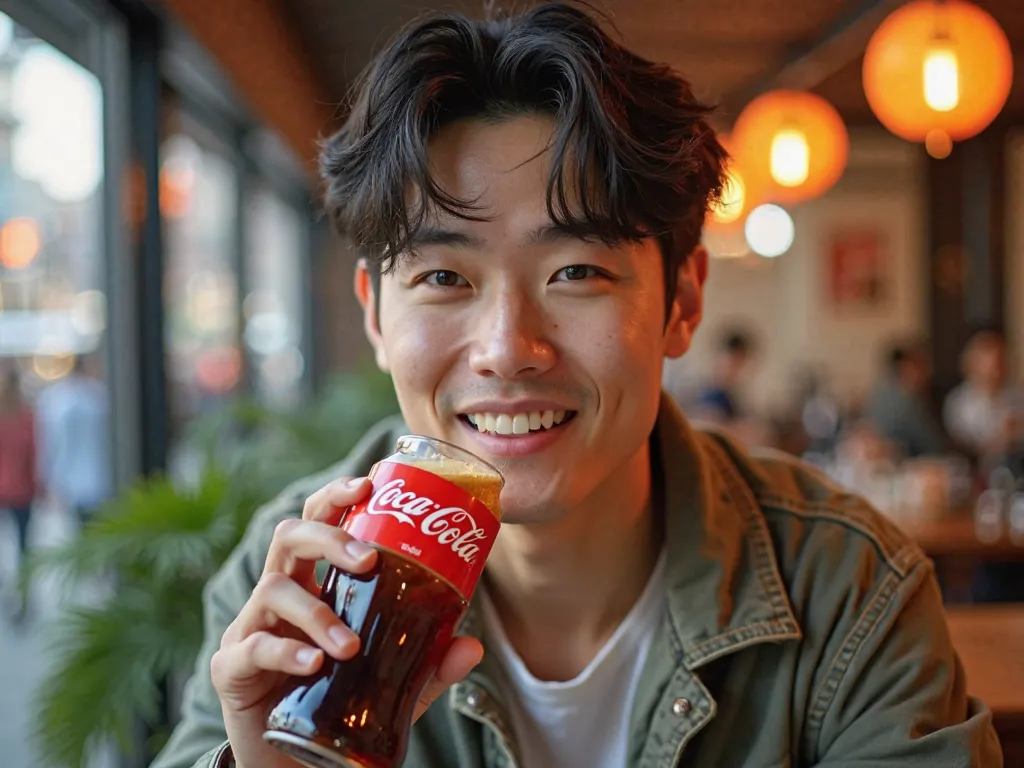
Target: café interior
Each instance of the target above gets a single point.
(865, 302)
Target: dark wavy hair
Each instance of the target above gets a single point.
(633, 155)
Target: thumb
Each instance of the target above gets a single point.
(462, 655)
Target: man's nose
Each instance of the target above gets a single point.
(511, 337)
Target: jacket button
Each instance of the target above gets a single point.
(681, 707)
(474, 700)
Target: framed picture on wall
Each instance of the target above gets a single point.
(858, 268)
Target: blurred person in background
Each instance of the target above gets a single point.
(74, 440)
(985, 413)
(18, 479)
(821, 413)
(720, 400)
(898, 409)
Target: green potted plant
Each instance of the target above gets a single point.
(160, 541)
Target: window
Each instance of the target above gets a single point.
(52, 295)
(199, 212)
(276, 252)
(55, 260)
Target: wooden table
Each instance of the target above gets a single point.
(951, 541)
(954, 536)
(990, 642)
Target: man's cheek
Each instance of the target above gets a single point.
(416, 368)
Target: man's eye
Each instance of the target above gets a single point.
(443, 278)
(576, 272)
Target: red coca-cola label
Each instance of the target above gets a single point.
(427, 519)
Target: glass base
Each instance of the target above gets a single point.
(309, 752)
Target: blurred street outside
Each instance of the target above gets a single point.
(23, 646)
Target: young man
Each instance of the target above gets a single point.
(531, 196)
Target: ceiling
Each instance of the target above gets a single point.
(730, 49)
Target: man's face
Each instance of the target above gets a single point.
(551, 345)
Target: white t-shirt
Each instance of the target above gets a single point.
(583, 721)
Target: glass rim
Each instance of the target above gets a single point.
(462, 454)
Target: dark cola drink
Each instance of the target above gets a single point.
(433, 515)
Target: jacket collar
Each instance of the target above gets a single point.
(723, 583)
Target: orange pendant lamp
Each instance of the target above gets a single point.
(938, 71)
(739, 195)
(792, 145)
(723, 226)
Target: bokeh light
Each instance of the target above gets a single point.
(58, 142)
(20, 242)
(769, 231)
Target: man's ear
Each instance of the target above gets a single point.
(687, 306)
(371, 322)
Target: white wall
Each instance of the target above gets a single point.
(785, 302)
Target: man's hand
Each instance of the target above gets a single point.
(285, 629)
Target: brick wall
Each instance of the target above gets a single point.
(263, 55)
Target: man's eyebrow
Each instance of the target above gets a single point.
(427, 235)
(546, 234)
(553, 232)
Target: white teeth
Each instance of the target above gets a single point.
(516, 423)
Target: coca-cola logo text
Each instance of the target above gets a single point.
(452, 526)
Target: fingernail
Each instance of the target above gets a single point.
(358, 550)
(339, 636)
(306, 656)
(354, 482)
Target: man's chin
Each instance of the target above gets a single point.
(528, 517)
(526, 508)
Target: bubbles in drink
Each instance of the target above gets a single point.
(485, 487)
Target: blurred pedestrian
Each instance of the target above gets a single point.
(18, 479)
(74, 440)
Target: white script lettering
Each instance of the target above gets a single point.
(452, 526)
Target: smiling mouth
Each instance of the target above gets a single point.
(517, 423)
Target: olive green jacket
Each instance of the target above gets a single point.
(801, 628)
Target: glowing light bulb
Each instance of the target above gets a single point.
(941, 79)
(790, 157)
(769, 230)
(734, 197)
